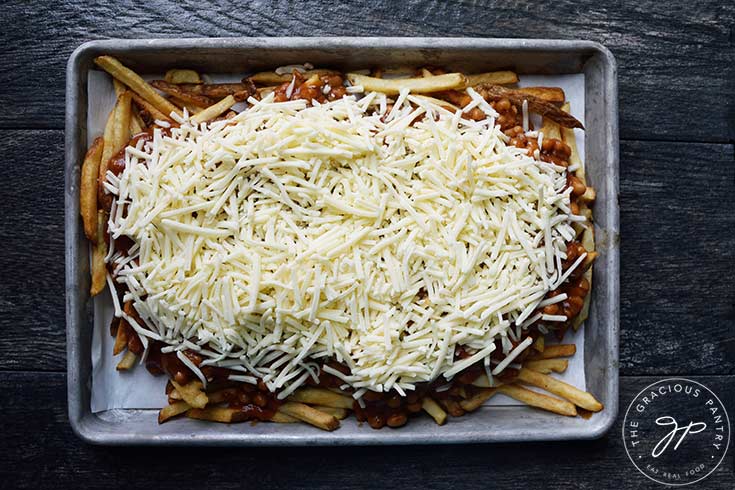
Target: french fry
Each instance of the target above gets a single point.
(262, 92)
(483, 381)
(182, 76)
(589, 195)
(172, 410)
(567, 136)
(122, 121)
(550, 129)
(121, 339)
(126, 362)
(183, 95)
(580, 398)
(441, 103)
(118, 87)
(549, 94)
(99, 250)
(175, 395)
(192, 393)
(474, 402)
(88, 188)
(547, 365)
(338, 413)
(494, 77)
(535, 104)
(553, 351)
(451, 406)
(136, 123)
(136, 83)
(310, 415)
(218, 91)
(436, 83)
(434, 410)
(150, 108)
(545, 402)
(213, 111)
(426, 73)
(539, 343)
(117, 131)
(281, 418)
(320, 396)
(588, 241)
(193, 109)
(273, 78)
(217, 414)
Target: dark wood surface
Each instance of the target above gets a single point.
(677, 194)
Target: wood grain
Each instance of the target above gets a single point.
(674, 60)
(51, 456)
(676, 293)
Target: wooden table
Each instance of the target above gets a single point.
(677, 196)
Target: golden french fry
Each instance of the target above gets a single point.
(426, 73)
(476, 401)
(338, 413)
(108, 149)
(118, 87)
(175, 395)
(214, 111)
(567, 136)
(136, 123)
(551, 129)
(547, 365)
(580, 398)
(281, 418)
(121, 339)
(553, 351)
(136, 83)
(193, 109)
(88, 188)
(179, 93)
(436, 83)
(117, 131)
(441, 103)
(320, 396)
(150, 108)
(172, 410)
(310, 415)
(126, 362)
(192, 393)
(549, 94)
(539, 343)
(434, 410)
(589, 195)
(99, 250)
(264, 91)
(273, 78)
(182, 76)
(545, 402)
(451, 406)
(588, 242)
(122, 121)
(494, 77)
(217, 414)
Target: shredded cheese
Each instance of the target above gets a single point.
(295, 232)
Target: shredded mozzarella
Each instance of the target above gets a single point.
(295, 232)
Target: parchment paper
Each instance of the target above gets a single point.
(137, 388)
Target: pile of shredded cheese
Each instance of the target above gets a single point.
(379, 237)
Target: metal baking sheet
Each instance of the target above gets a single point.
(488, 424)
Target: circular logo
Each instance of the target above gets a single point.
(676, 431)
